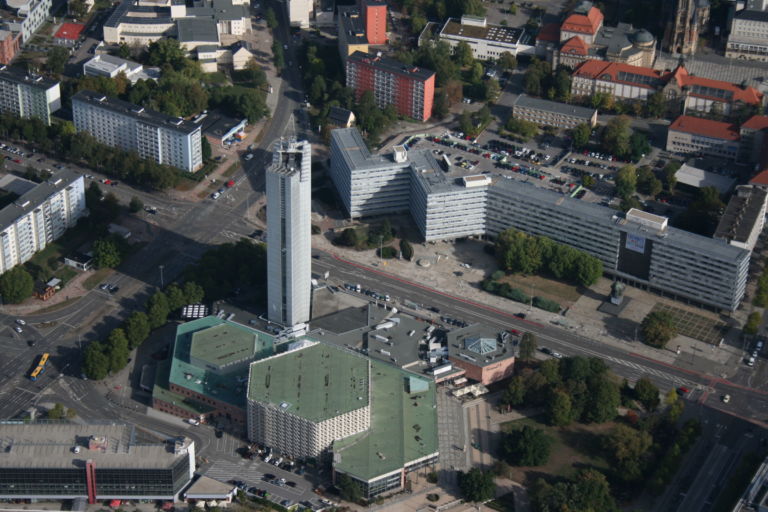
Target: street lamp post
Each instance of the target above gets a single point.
(162, 283)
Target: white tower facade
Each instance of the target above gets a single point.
(289, 246)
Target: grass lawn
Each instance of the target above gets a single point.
(232, 169)
(563, 293)
(573, 447)
(97, 277)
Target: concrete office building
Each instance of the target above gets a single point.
(693, 135)
(487, 42)
(153, 135)
(301, 401)
(445, 207)
(485, 355)
(28, 96)
(300, 12)
(744, 217)
(639, 248)
(110, 66)
(368, 184)
(289, 247)
(552, 113)
(40, 216)
(94, 462)
(409, 88)
(748, 39)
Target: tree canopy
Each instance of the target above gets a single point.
(477, 485)
(526, 446)
(16, 285)
(657, 328)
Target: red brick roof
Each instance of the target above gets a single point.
(549, 32)
(760, 178)
(748, 95)
(756, 123)
(600, 69)
(69, 31)
(575, 46)
(705, 127)
(584, 24)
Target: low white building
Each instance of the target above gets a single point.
(486, 41)
(110, 66)
(300, 12)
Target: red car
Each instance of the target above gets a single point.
(17, 160)
(230, 183)
(682, 390)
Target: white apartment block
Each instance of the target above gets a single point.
(301, 401)
(300, 12)
(164, 139)
(289, 247)
(28, 96)
(487, 42)
(29, 16)
(39, 217)
(748, 39)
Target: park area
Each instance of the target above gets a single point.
(574, 447)
(563, 293)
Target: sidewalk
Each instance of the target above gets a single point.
(582, 319)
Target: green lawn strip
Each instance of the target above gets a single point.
(97, 277)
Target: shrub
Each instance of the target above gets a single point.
(388, 252)
(518, 295)
(546, 304)
(498, 275)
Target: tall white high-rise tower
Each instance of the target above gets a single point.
(289, 247)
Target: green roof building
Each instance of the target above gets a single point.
(302, 400)
(207, 373)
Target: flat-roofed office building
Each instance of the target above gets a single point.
(57, 461)
(639, 247)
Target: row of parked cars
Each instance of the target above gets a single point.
(359, 289)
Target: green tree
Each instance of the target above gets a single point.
(647, 394)
(270, 18)
(638, 146)
(656, 105)
(57, 59)
(603, 402)
(349, 489)
(514, 395)
(657, 328)
(117, 350)
(123, 50)
(463, 54)
(318, 90)
(176, 298)
(278, 55)
(507, 61)
(166, 51)
(406, 249)
(669, 175)
(158, 310)
(477, 485)
(526, 446)
(57, 412)
(580, 135)
(525, 129)
(71, 413)
(559, 409)
(550, 370)
(492, 90)
(16, 285)
(206, 149)
(616, 136)
(627, 450)
(136, 329)
(626, 181)
(753, 323)
(528, 344)
(193, 293)
(106, 253)
(95, 361)
(136, 205)
(78, 9)
(441, 105)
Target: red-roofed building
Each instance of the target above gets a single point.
(549, 33)
(705, 95)
(585, 21)
(696, 136)
(68, 34)
(695, 93)
(754, 136)
(573, 52)
(620, 80)
(760, 179)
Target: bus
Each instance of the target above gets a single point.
(40, 368)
